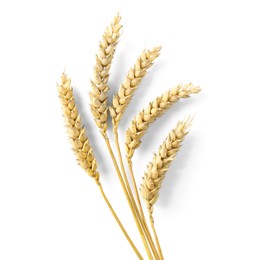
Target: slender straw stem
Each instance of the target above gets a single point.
(124, 174)
(145, 226)
(141, 212)
(128, 198)
(130, 165)
(156, 236)
(118, 221)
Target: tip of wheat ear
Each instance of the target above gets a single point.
(154, 110)
(99, 86)
(131, 83)
(157, 168)
(76, 131)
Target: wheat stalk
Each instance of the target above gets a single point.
(131, 83)
(154, 175)
(99, 86)
(76, 131)
(155, 109)
(144, 232)
(81, 146)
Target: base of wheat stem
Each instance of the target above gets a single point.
(130, 166)
(118, 221)
(142, 217)
(135, 214)
(155, 235)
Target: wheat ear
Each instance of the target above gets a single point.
(131, 83)
(156, 170)
(76, 131)
(81, 146)
(155, 109)
(99, 86)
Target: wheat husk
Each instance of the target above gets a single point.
(131, 83)
(76, 131)
(154, 110)
(99, 83)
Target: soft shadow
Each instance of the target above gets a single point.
(118, 72)
(177, 170)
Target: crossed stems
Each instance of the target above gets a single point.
(151, 250)
(118, 221)
(143, 232)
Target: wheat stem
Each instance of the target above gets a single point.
(121, 161)
(128, 198)
(141, 214)
(155, 235)
(130, 166)
(118, 221)
(131, 174)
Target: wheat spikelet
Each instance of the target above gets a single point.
(99, 86)
(131, 83)
(155, 109)
(76, 131)
(157, 169)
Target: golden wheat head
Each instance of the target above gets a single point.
(99, 86)
(76, 131)
(131, 83)
(156, 170)
(161, 161)
(155, 109)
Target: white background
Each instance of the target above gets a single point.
(209, 203)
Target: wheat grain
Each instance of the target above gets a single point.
(155, 109)
(157, 169)
(99, 86)
(76, 131)
(131, 83)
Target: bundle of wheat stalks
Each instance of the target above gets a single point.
(157, 168)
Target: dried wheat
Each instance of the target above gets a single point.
(157, 169)
(131, 83)
(76, 131)
(99, 86)
(154, 110)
